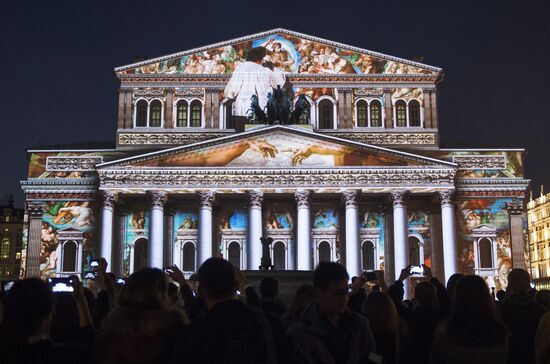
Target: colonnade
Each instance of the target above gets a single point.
(304, 246)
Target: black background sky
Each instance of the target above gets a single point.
(57, 84)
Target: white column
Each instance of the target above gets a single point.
(254, 249)
(106, 250)
(156, 230)
(118, 244)
(400, 235)
(303, 230)
(206, 202)
(34, 211)
(449, 233)
(437, 243)
(353, 260)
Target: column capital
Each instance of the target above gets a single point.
(351, 198)
(34, 209)
(446, 198)
(302, 198)
(515, 207)
(206, 199)
(157, 198)
(109, 198)
(399, 197)
(255, 198)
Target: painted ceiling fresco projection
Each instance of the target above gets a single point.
(289, 53)
(278, 150)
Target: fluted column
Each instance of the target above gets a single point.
(400, 233)
(517, 237)
(254, 249)
(448, 229)
(156, 229)
(389, 261)
(34, 210)
(169, 237)
(436, 239)
(107, 213)
(303, 230)
(118, 244)
(353, 260)
(206, 202)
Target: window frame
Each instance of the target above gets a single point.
(148, 119)
(369, 101)
(334, 112)
(407, 113)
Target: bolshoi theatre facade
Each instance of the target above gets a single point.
(359, 177)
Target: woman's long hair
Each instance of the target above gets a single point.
(145, 289)
(303, 296)
(380, 310)
(473, 321)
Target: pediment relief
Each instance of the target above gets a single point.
(275, 148)
(288, 51)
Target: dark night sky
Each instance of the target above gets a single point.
(57, 57)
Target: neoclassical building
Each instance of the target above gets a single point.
(360, 178)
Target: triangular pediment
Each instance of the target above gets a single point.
(293, 52)
(277, 147)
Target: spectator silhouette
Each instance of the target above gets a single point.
(387, 328)
(302, 298)
(473, 334)
(25, 330)
(452, 282)
(229, 332)
(521, 314)
(141, 328)
(269, 288)
(543, 297)
(328, 331)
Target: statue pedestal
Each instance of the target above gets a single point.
(289, 280)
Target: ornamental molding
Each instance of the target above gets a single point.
(480, 161)
(148, 93)
(389, 138)
(59, 196)
(372, 92)
(279, 178)
(166, 138)
(491, 193)
(493, 182)
(206, 199)
(157, 199)
(72, 163)
(255, 198)
(60, 181)
(189, 92)
(302, 198)
(351, 198)
(515, 207)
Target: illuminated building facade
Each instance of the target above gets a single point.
(360, 177)
(538, 215)
(11, 239)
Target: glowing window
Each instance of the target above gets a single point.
(196, 112)
(154, 117)
(141, 113)
(5, 249)
(362, 119)
(375, 113)
(401, 113)
(181, 114)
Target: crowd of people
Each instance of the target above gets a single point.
(216, 316)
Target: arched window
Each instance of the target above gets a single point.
(485, 253)
(401, 113)
(324, 252)
(326, 114)
(279, 255)
(5, 249)
(414, 113)
(229, 118)
(234, 254)
(362, 118)
(375, 113)
(140, 254)
(181, 114)
(141, 113)
(304, 118)
(196, 112)
(189, 257)
(70, 250)
(414, 251)
(155, 113)
(368, 255)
